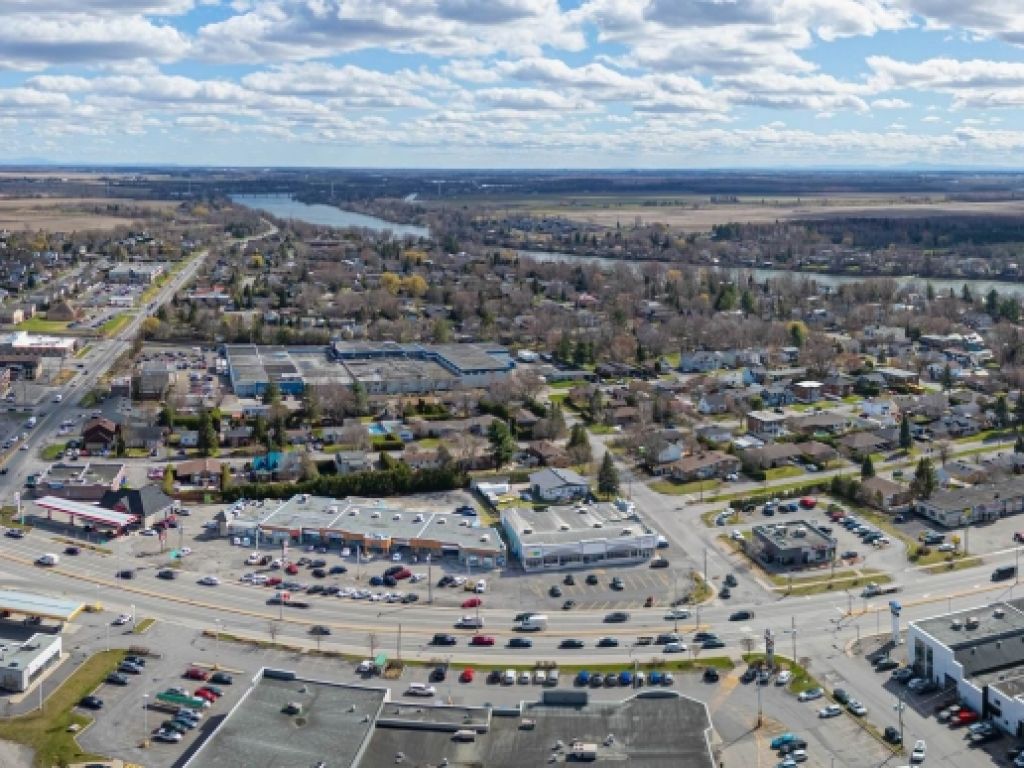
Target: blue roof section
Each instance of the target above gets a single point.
(33, 604)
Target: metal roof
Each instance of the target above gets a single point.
(31, 604)
(87, 511)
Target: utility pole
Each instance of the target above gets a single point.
(430, 582)
(399, 642)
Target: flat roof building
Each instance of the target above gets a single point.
(79, 482)
(579, 536)
(346, 726)
(30, 344)
(371, 525)
(21, 664)
(965, 506)
(795, 543)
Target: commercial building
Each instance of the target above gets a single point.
(966, 506)
(578, 536)
(381, 369)
(348, 726)
(135, 274)
(77, 512)
(22, 343)
(557, 484)
(146, 504)
(79, 482)
(795, 543)
(21, 664)
(979, 654)
(374, 526)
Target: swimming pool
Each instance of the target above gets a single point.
(377, 430)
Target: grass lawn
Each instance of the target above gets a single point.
(39, 325)
(83, 350)
(601, 429)
(770, 491)
(670, 488)
(53, 452)
(986, 434)
(428, 443)
(780, 473)
(47, 732)
(9, 519)
(842, 581)
(143, 626)
(115, 324)
(562, 384)
(957, 564)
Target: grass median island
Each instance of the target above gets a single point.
(143, 626)
(53, 452)
(47, 732)
(115, 324)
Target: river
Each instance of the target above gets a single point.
(979, 286)
(287, 207)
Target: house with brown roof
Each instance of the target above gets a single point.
(886, 495)
(704, 465)
(98, 434)
(198, 472)
(548, 454)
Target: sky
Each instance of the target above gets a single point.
(514, 83)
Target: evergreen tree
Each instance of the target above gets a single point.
(607, 476)
(947, 378)
(923, 484)
(168, 483)
(272, 394)
(207, 438)
(225, 476)
(906, 440)
(1018, 411)
(867, 467)
(1002, 411)
(1018, 445)
(503, 445)
(362, 404)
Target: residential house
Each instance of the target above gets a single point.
(201, 472)
(712, 403)
(276, 466)
(777, 396)
(713, 433)
(236, 437)
(547, 454)
(882, 410)
(348, 462)
(771, 456)
(188, 438)
(766, 425)
(838, 385)
(885, 494)
(98, 434)
(823, 422)
(898, 378)
(808, 391)
(860, 444)
(553, 484)
(416, 458)
(704, 465)
(146, 437)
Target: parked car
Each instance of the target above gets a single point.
(91, 702)
(831, 710)
(194, 673)
(810, 694)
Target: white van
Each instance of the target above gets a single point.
(509, 678)
(481, 587)
(535, 623)
(47, 559)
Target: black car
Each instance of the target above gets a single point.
(569, 580)
(14, 533)
(724, 593)
(117, 678)
(315, 589)
(91, 702)
(138, 661)
(333, 589)
(520, 642)
(884, 665)
(337, 569)
(700, 637)
(444, 581)
(710, 675)
(71, 550)
(555, 591)
(319, 629)
(596, 680)
(708, 645)
(410, 598)
(494, 677)
(318, 564)
(659, 562)
(221, 678)
(730, 580)
(319, 573)
(840, 695)
(390, 581)
(616, 617)
(443, 640)
(438, 674)
(748, 675)
(741, 615)
(891, 734)
(166, 573)
(571, 643)
(568, 605)
(125, 574)
(592, 580)
(607, 642)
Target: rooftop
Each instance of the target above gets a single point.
(793, 533)
(964, 498)
(986, 627)
(573, 523)
(640, 732)
(34, 604)
(23, 654)
(334, 722)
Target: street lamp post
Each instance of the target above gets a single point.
(430, 581)
(145, 719)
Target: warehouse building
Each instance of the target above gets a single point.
(980, 503)
(979, 654)
(472, 365)
(351, 726)
(579, 536)
(372, 526)
(796, 543)
(24, 344)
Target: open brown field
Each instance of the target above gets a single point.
(700, 215)
(68, 214)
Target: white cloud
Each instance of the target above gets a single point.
(890, 104)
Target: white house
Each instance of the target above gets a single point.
(555, 484)
(882, 409)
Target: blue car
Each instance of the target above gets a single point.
(625, 678)
(376, 581)
(582, 677)
(655, 678)
(780, 741)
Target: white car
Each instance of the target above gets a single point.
(209, 581)
(674, 648)
(420, 689)
(810, 694)
(147, 532)
(947, 547)
(784, 677)
(185, 551)
(736, 535)
(857, 708)
(832, 710)
(123, 619)
(917, 756)
(677, 613)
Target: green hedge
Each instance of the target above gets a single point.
(397, 480)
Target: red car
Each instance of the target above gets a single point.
(273, 581)
(196, 674)
(202, 693)
(481, 640)
(466, 676)
(966, 717)
(808, 502)
(210, 691)
(473, 602)
(1018, 536)
(405, 573)
(291, 569)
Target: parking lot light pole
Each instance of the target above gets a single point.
(145, 720)
(430, 581)
(216, 643)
